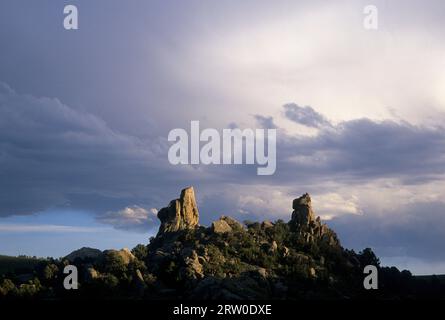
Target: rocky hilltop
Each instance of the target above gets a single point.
(180, 214)
(234, 260)
(309, 227)
(298, 259)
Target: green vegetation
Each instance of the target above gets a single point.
(255, 261)
(20, 264)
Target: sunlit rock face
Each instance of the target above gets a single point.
(180, 214)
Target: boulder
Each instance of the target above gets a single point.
(235, 225)
(274, 246)
(312, 272)
(139, 282)
(266, 224)
(84, 253)
(262, 272)
(194, 268)
(302, 258)
(220, 226)
(124, 253)
(226, 224)
(180, 214)
(91, 274)
(285, 251)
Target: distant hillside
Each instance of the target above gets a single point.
(84, 253)
(18, 265)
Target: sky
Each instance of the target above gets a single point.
(359, 114)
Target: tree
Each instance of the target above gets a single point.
(6, 287)
(140, 252)
(50, 271)
(110, 281)
(30, 289)
(114, 263)
(368, 257)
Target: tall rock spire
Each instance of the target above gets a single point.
(309, 227)
(180, 214)
(303, 213)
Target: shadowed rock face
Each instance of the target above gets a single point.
(180, 214)
(303, 213)
(309, 227)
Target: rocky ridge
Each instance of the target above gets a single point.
(298, 259)
(217, 257)
(180, 214)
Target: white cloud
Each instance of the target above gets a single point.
(134, 217)
(265, 202)
(320, 55)
(379, 196)
(330, 205)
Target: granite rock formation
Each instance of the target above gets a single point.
(181, 214)
(309, 227)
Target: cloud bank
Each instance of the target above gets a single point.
(380, 183)
(131, 218)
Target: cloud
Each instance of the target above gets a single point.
(330, 205)
(305, 116)
(380, 183)
(46, 228)
(52, 155)
(131, 218)
(412, 230)
(260, 202)
(364, 149)
(265, 122)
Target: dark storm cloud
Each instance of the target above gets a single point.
(305, 116)
(413, 230)
(52, 155)
(364, 149)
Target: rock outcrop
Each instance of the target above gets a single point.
(303, 213)
(299, 259)
(91, 274)
(180, 214)
(194, 268)
(84, 253)
(310, 227)
(226, 224)
(220, 226)
(124, 254)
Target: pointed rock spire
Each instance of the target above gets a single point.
(180, 214)
(303, 213)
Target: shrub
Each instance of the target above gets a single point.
(140, 252)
